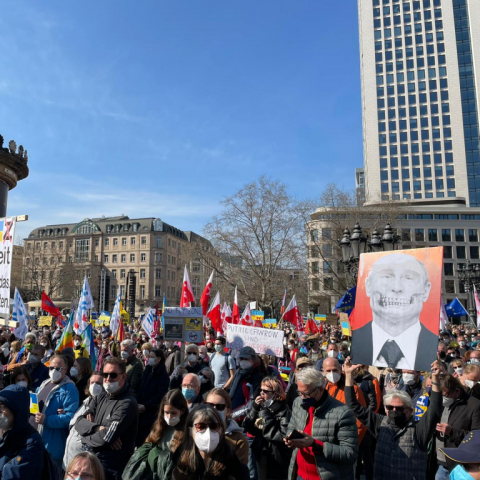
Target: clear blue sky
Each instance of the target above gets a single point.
(161, 108)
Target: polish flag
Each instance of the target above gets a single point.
(246, 318)
(236, 311)
(206, 294)
(292, 315)
(214, 313)
(226, 316)
(187, 292)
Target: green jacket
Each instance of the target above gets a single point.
(149, 462)
(134, 375)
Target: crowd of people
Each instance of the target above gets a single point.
(149, 409)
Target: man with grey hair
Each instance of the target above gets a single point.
(402, 444)
(192, 365)
(397, 286)
(134, 366)
(322, 431)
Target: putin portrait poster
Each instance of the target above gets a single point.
(397, 308)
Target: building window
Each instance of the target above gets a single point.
(159, 242)
(96, 258)
(144, 240)
(474, 253)
(459, 235)
(446, 235)
(132, 257)
(142, 292)
(124, 242)
(406, 235)
(447, 251)
(107, 242)
(122, 273)
(432, 235)
(473, 235)
(114, 274)
(114, 258)
(123, 258)
(97, 242)
(132, 240)
(314, 235)
(82, 248)
(448, 268)
(326, 233)
(315, 285)
(158, 273)
(158, 257)
(461, 253)
(158, 291)
(142, 273)
(143, 257)
(115, 242)
(327, 267)
(419, 235)
(327, 250)
(328, 283)
(122, 290)
(450, 286)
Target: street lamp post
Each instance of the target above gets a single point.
(469, 276)
(354, 245)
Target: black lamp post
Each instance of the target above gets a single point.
(469, 276)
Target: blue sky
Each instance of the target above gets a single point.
(161, 108)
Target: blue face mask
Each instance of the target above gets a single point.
(459, 473)
(188, 393)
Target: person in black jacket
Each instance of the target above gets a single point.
(268, 419)
(21, 448)
(154, 386)
(81, 373)
(460, 415)
(193, 365)
(109, 425)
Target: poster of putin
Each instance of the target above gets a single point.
(397, 309)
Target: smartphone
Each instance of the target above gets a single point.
(295, 435)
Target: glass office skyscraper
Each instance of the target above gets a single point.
(420, 61)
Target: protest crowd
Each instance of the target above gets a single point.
(134, 405)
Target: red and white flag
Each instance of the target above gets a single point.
(214, 313)
(292, 315)
(226, 316)
(187, 292)
(477, 305)
(246, 318)
(236, 311)
(206, 294)
(282, 309)
(444, 317)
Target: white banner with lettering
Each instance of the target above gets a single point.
(262, 340)
(7, 232)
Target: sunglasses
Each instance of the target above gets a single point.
(217, 406)
(266, 391)
(201, 426)
(389, 408)
(112, 375)
(58, 369)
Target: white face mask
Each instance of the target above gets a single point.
(124, 354)
(470, 383)
(146, 353)
(207, 441)
(74, 372)
(333, 377)
(408, 378)
(111, 387)
(95, 389)
(151, 362)
(447, 401)
(332, 353)
(172, 421)
(203, 379)
(77, 343)
(475, 361)
(22, 383)
(458, 370)
(219, 348)
(202, 355)
(44, 344)
(245, 365)
(192, 358)
(55, 375)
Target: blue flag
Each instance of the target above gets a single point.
(455, 309)
(347, 302)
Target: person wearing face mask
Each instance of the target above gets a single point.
(466, 458)
(411, 382)
(57, 403)
(471, 380)
(21, 447)
(74, 444)
(154, 458)
(204, 452)
(463, 346)
(326, 441)
(192, 365)
(442, 351)
(402, 444)
(47, 344)
(22, 356)
(460, 415)
(207, 380)
(144, 355)
(4, 350)
(103, 354)
(219, 399)
(191, 390)
(331, 352)
(222, 364)
(291, 390)
(37, 370)
(159, 342)
(457, 368)
(109, 424)
(80, 374)
(78, 349)
(336, 388)
(154, 386)
(174, 357)
(134, 366)
(203, 356)
(268, 419)
(474, 357)
(292, 350)
(21, 377)
(314, 351)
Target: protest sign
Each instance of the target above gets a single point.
(320, 317)
(345, 324)
(34, 403)
(183, 324)
(7, 232)
(397, 308)
(262, 340)
(270, 323)
(258, 315)
(45, 321)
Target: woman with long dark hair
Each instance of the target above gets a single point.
(204, 451)
(153, 458)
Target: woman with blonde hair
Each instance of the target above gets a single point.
(85, 465)
(269, 418)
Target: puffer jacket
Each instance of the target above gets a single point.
(334, 425)
(238, 441)
(271, 423)
(149, 462)
(21, 448)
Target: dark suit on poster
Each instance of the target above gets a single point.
(362, 347)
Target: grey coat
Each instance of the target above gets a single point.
(334, 425)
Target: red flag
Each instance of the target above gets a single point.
(246, 317)
(258, 324)
(49, 306)
(206, 294)
(236, 311)
(214, 313)
(187, 292)
(311, 327)
(292, 315)
(120, 331)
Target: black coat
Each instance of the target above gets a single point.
(274, 422)
(153, 388)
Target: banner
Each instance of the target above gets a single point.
(183, 324)
(45, 321)
(7, 232)
(262, 340)
(258, 315)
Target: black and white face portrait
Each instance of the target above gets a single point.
(397, 286)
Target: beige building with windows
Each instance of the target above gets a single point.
(56, 258)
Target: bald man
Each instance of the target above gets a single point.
(398, 286)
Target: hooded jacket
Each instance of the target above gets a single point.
(21, 448)
(237, 440)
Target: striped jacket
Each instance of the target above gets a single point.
(119, 415)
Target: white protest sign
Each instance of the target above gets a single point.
(262, 340)
(183, 324)
(7, 232)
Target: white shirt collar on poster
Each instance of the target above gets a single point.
(407, 342)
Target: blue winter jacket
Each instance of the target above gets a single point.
(55, 429)
(21, 448)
